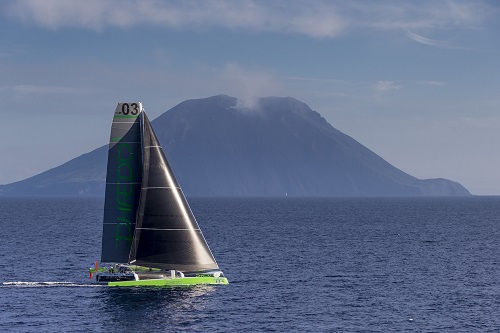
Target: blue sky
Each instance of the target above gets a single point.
(418, 82)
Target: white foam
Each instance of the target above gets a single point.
(47, 284)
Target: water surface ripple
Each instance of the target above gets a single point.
(294, 265)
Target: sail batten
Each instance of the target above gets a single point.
(165, 229)
(157, 187)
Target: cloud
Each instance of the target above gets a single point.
(418, 15)
(431, 83)
(47, 90)
(314, 18)
(492, 122)
(6, 54)
(248, 83)
(382, 86)
(12, 51)
(428, 41)
(318, 80)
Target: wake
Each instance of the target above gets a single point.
(26, 284)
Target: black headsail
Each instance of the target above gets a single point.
(123, 183)
(167, 235)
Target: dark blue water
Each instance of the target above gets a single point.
(294, 265)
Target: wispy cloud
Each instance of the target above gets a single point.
(427, 41)
(418, 15)
(6, 54)
(431, 83)
(317, 80)
(13, 51)
(314, 18)
(381, 86)
(44, 89)
(481, 122)
(248, 83)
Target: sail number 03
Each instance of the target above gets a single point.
(132, 108)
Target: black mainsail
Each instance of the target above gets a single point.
(165, 233)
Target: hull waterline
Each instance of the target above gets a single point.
(185, 281)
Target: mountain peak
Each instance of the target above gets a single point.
(269, 146)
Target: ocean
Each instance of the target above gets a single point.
(294, 265)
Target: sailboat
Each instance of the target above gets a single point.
(150, 235)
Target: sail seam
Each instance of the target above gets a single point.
(166, 229)
(148, 188)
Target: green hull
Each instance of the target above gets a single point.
(185, 281)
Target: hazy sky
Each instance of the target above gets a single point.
(417, 82)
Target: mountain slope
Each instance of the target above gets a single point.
(279, 146)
